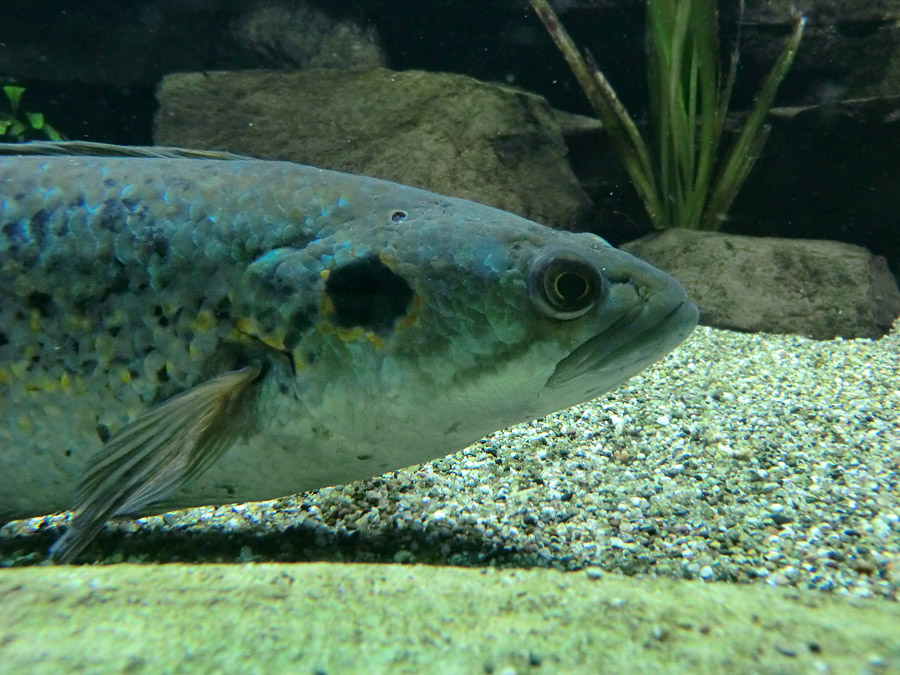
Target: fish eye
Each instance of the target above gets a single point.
(564, 286)
(398, 216)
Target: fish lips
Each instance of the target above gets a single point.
(635, 341)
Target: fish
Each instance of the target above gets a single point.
(185, 327)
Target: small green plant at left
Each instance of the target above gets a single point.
(22, 126)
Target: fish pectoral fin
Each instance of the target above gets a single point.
(153, 455)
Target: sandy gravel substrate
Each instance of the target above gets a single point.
(773, 460)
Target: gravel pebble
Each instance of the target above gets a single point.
(741, 457)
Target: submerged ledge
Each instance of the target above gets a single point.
(340, 618)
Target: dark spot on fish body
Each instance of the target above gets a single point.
(297, 326)
(7, 231)
(157, 242)
(118, 283)
(25, 237)
(70, 344)
(3, 339)
(321, 432)
(118, 215)
(38, 226)
(222, 308)
(272, 322)
(367, 293)
(162, 320)
(111, 216)
(40, 302)
(103, 433)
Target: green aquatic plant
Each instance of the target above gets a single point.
(686, 181)
(16, 128)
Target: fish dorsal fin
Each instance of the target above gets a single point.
(153, 455)
(91, 149)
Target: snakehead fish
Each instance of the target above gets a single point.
(183, 328)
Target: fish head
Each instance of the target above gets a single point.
(445, 320)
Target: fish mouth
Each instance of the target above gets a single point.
(631, 344)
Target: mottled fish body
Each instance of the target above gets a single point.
(179, 330)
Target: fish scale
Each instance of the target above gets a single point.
(181, 328)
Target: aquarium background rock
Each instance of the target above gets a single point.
(446, 133)
(816, 288)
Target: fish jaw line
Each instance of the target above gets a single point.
(640, 338)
